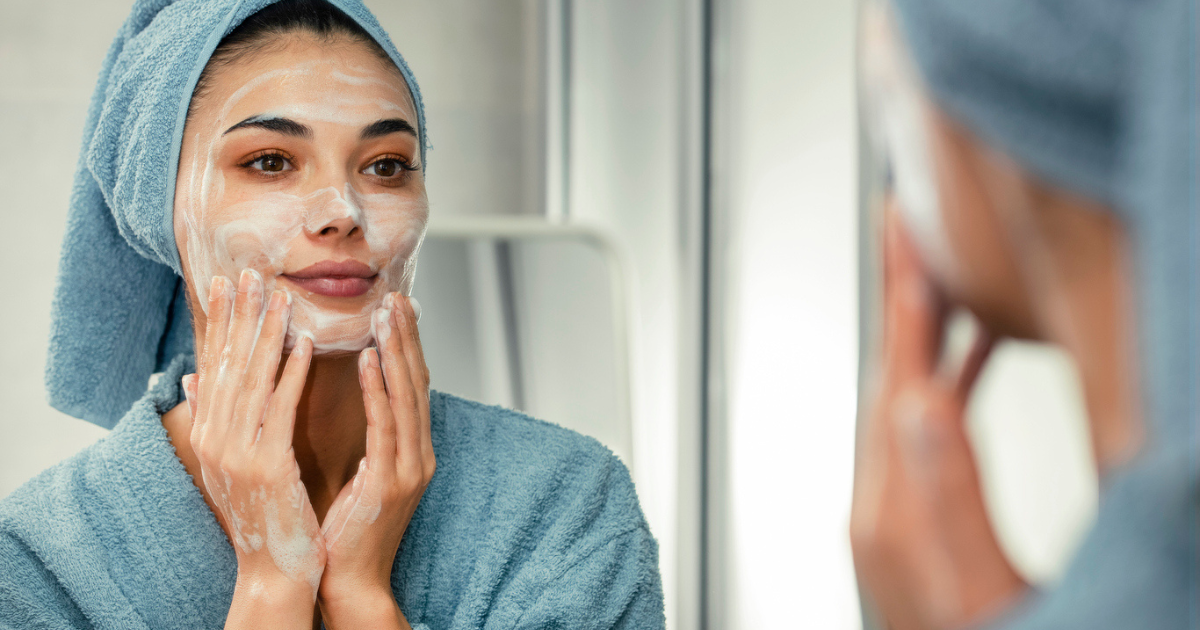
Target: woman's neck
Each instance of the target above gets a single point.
(1095, 323)
(331, 428)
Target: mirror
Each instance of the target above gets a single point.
(529, 315)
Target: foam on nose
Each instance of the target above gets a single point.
(328, 205)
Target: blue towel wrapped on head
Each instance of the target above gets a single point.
(119, 309)
(524, 524)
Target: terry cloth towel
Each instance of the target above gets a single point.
(119, 311)
(524, 525)
(1099, 97)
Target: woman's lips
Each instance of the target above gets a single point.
(348, 278)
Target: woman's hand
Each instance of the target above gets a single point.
(367, 520)
(242, 435)
(923, 545)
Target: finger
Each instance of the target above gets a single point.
(337, 510)
(188, 383)
(247, 307)
(348, 499)
(280, 420)
(912, 312)
(263, 366)
(401, 393)
(406, 322)
(419, 372)
(381, 423)
(220, 303)
(972, 366)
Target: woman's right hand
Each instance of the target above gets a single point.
(242, 425)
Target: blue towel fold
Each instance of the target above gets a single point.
(525, 525)
(119, 312)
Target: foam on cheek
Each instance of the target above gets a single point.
(225, 238)
(393, 229)
(388, 230)
(269, 226)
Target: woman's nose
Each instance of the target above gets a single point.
(344, 226)
(333, 216)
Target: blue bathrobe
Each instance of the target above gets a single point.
(524, 525)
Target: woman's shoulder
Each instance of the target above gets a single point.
(70, 497)
(64, 493)
(526, 459)
(484, 432)
(540, 524)
(51, 496)
(495, 425)
(45, 527)
(108, 526)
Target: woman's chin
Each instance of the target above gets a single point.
(333, 333)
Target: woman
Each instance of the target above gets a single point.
(310, 475)
(1042, 161)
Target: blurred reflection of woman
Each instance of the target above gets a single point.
(1042, 175)
(253, 178)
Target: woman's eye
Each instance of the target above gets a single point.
(271, 164)
(386, 168)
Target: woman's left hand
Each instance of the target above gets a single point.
(364, 525)
(924, 548)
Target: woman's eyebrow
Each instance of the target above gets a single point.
(285, 126)
(387, 126)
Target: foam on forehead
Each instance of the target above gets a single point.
(307, 107)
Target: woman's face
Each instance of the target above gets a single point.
(301, 162)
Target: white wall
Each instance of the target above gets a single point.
(479, 70)
(50, 53)
(632, 95)
(785, 182)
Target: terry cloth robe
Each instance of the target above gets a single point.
(524, 525)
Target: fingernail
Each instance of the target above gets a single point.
(187, 382)
(363, 361)
(304, 343)
(250, 282)
(382, 325)
(215, 288)
(416, 307)
(278, 300)
(221, 286)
